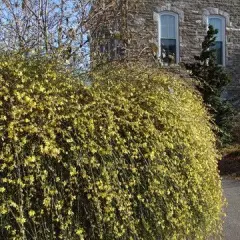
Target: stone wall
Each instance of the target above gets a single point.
(192, 14)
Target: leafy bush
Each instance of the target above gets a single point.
(131, 157)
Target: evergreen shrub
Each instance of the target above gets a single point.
(130, 157)
(236, 128)
(212, 80)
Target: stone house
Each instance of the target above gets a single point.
(173, 30)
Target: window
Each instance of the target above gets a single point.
(112, 48)
(169, 37)
(218, 22)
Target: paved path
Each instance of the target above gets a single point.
(231, 227)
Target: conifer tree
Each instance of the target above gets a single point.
(212, 79)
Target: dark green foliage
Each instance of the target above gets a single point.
(236, 128)
(131, 157)
(212, 79)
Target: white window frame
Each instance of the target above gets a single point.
(176, 16)
(223, 20)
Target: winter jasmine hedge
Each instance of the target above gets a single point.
(130, 157)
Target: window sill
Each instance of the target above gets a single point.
(174, 65)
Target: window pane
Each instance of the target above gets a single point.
(168, 27)
(168, 50)
(219, 52)
(217, 24)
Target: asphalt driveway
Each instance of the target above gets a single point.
(231, 227)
